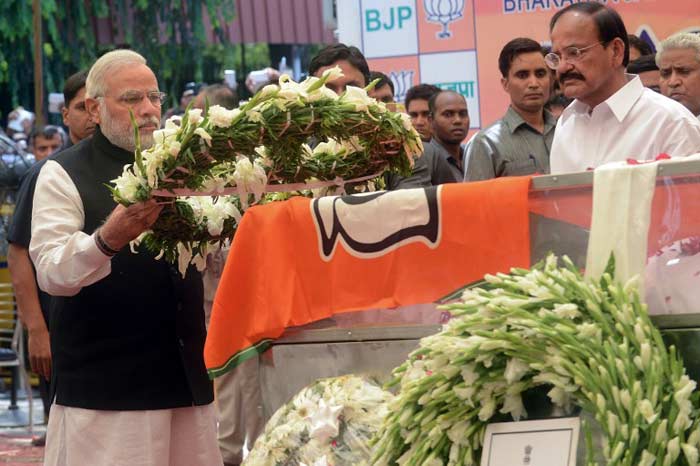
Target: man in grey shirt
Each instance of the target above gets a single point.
(520, 142)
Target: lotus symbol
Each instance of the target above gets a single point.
(403, 80)
(444, 12)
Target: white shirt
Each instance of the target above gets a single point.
(635, 122)
(66, 259)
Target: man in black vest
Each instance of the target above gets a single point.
(32, 303)
(127, 331)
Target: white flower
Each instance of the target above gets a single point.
(184, 254)
(289, 94)
(589, 331)
(357, 97)
(406, 121)
(333, 73)
(560, 397)
(254, 116)
(291, 90)
(458, 431)
(321, 93)
(128, 184)
(639, 333)
(566, 311)
(690, 452)
(645, 350)
(673, 449)
(134, 243)
(331, 147)
(174, 148)
(324, 421)
(250, 178)
(613, 423)
(487, 410)
(469, 374)
(626, 399)
(513, 404)
(515, 369)
(684, 388)
(268, 91)
(214, 185)
(661, 432)
(694, 438)
(163, 136)
(647, 459)
(353, 144)
(201, 132)
(194, 116)
(647, 411)
(221, 117)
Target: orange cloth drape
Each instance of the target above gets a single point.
(276, 275)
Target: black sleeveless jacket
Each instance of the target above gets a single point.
(135, 339)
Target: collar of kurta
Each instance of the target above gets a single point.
(620, 103)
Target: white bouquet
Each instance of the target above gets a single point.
(329, 423)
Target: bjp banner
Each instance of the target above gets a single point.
(303, 260)
(455, 44)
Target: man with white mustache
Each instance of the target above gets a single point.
(127, 331)
(613, 117)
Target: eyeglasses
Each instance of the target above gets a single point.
(569, 55)
(133, 98)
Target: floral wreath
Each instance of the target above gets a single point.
(592, 342)
(328, 423)
(209, 166)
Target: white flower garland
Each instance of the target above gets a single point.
(591, 342)
(261, 148)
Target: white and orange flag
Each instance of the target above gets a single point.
(303, 260)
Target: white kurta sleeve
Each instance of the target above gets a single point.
(66, 259)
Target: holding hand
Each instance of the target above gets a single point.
(127, 223)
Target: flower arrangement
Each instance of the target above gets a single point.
(329, 423)
(262, 147)
(591, 342)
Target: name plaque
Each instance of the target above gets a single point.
(549, 442)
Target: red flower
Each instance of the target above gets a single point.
(690, 246)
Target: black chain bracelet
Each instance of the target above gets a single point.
(106, 249)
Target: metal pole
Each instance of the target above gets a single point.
(38, 65)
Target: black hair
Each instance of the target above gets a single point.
(336, 52)
(220, 94)
(72, 86)
(642, 64)
(46, 132)
(514, 48)
(608, 21)
(384, 80)
(639, 44)
(420, 92)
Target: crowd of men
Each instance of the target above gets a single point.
(120, 336)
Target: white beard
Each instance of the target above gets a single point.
(122, 135)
